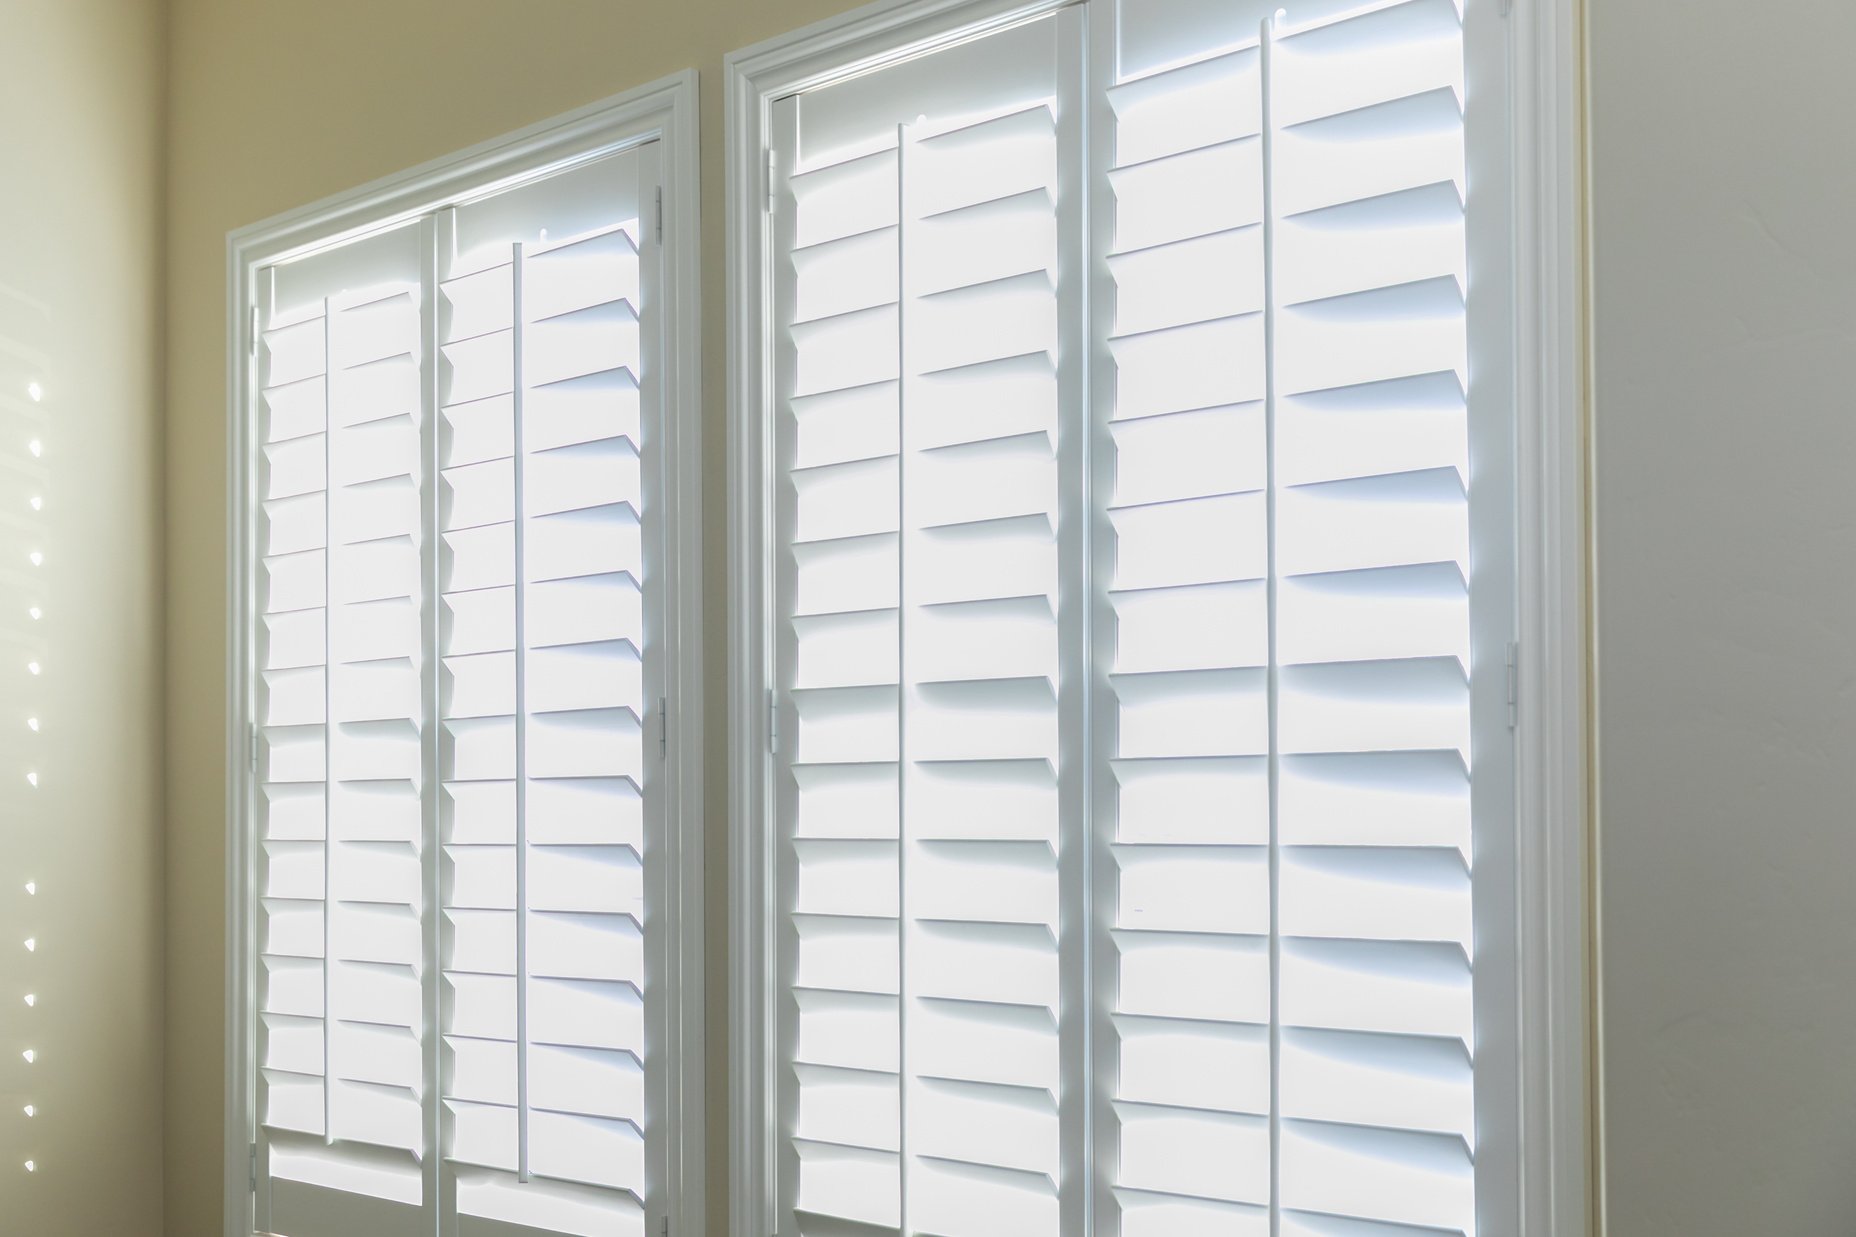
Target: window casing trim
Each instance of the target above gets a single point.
(1557, 1107)
(664, 111)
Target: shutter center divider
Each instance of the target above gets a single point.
(437, 236)
(903, 1072)
(328, 721)
(517, 339)
(1273, 679)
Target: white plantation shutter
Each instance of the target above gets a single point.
(979, 671)
(1122, 666)
(460, 658)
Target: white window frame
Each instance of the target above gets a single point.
(664, 111)
(1558, 1121)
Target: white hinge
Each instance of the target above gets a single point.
(1514, 683)
(773, 721)
(1507, 7)
(660, 214)
(252, 1162)
(663, 727)
(252, 341)
(772, 163)
(252, 747)
(664, 1228)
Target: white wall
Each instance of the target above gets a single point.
(1725, 244)
(81, 85)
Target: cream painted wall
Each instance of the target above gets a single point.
(1724, 142)
(278, 104)
(81, 88)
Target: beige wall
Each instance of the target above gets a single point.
(80, 264)
(1725, 299)
(275, 105)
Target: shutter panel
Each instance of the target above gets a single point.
(542, 632)
(341, 723)
(1373, 623)
(1182, 803)
(979, 649)
(918, 642)
(1271, 537)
